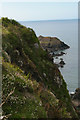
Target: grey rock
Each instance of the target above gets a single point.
(36, 45)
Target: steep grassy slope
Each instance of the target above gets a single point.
(39, 88)
(30, 98)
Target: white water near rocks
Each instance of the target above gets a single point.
(66, 31)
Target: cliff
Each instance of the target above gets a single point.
(37, 86)
(52, 44)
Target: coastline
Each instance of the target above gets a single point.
(67, 32)
(57, 54)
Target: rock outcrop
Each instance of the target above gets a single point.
(76, 100)
(52, 44)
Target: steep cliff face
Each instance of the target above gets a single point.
(39, 90)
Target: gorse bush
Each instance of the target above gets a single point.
(6, 22)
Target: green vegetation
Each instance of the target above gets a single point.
(39, 88)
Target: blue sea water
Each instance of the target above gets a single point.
(66, 31)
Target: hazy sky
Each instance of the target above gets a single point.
(40, 10)
(39, 0)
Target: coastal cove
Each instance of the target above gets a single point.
(66, 31)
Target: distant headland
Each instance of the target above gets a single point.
(52, 44)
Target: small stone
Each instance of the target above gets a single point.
(36, 45)
(44, 74)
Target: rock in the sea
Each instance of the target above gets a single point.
(61, 66)
(56, 57)
(62, 53)
(62, 62)
(61, 58)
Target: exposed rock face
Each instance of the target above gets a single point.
(76, 100)
(76, 94)
(52, 44)
(76, 97)
(5, 54)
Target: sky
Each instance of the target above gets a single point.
(31, 11)
(39, 0)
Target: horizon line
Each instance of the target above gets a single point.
(46, 20)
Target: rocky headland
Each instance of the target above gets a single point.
(54, 47)
(52, 44)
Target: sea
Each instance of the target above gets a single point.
(66, 31)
